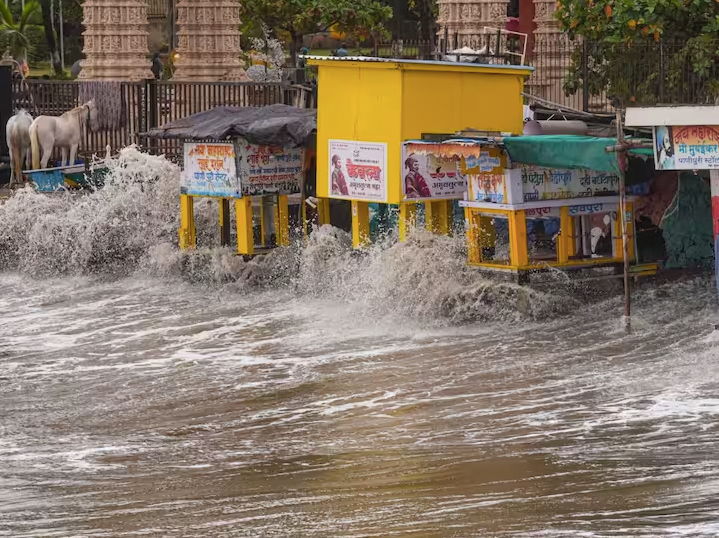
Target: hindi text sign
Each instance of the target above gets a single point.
(210, 169)
(555, 184)
(686, 147)
(431, 177)
(486, 177)
(269, 169)
(358, 170)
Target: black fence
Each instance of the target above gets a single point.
(147, 104)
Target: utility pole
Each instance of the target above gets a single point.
(622, 159)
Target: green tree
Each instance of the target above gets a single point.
(644, 50)
(357, 18)
(15, 32)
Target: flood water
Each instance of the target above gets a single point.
(145, 392)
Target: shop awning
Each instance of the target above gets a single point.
(563, 151)
(567, 151)
(548, 151)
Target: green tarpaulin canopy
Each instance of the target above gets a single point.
(566, 151)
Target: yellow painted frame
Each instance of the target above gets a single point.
(243, 218)
(519, 260)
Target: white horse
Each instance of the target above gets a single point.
(17, 131)
(65, 132)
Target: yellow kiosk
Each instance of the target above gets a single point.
(250, 175)
(255, 157)
(367, 108)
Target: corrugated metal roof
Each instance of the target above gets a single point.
(372, 59)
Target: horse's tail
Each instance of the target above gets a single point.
(34, 146)
(17, 156)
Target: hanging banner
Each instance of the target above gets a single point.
(427, 176)
(210, 169)
(552, 184)
(358, 170)
(486, 177)
(268, 169)
(686, 148)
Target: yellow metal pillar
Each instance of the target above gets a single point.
(565, 240)
(243, 214)
(360, 223)
(187, 222)
(323, 211)
(305, 223)
(570, 235)
(263, 227)
(473, 223)
(518, 239)
(282, 221)
(438, 216)
(407, 219)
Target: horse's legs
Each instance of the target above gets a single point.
(63, 152)
(46, 154)
(73, 154)
(12, 167)
(28, 158)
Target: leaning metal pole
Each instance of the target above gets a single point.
(622, 160)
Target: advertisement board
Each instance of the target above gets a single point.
(269, 169)
(358, 170)
(210, 169)
(686, 147)
(431, 177)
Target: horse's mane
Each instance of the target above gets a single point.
(78, 108)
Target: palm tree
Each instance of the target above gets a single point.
(15, 33)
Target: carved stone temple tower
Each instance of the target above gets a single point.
(468, 20)
(209, 41)
(552, 54)
(115, 40)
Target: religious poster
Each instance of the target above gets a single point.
(268, 169)
(431, 177)
(686, 148)
(358, 170)
(551, 184)
(210, 169)
(486, 177)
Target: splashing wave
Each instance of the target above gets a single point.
(131, 226)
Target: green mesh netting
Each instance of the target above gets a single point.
(687, 225)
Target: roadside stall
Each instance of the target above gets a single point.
(256, 157)
(535, 202)
(686, 157)
(369, 107)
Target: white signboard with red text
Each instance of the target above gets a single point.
(358, 170)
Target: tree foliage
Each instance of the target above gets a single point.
(16, 31)
(355, 18)
(644, 50)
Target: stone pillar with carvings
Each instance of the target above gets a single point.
(209, 41)
(470, 21)
(552, 56)
(115, 40)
